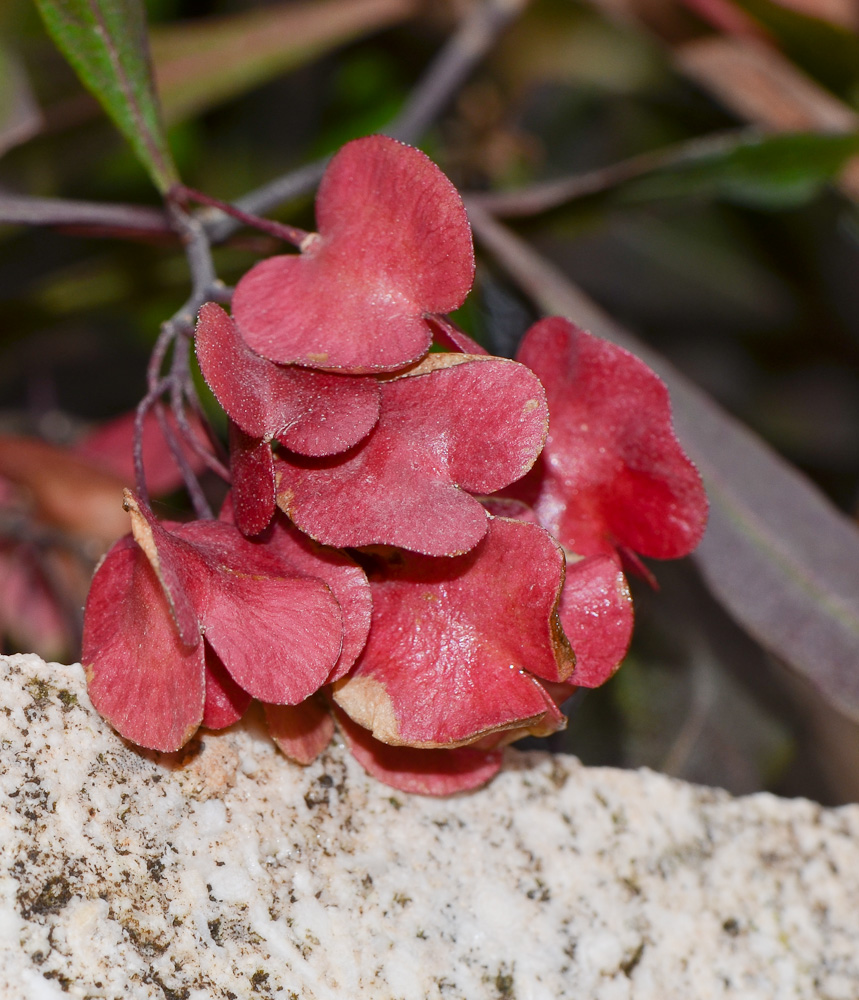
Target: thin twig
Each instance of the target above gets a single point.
(114, 218)
(177, 383)
(280, 230)
(159, 353)
(201, 506)
(537, 198)
(206, 455)
(143, 407)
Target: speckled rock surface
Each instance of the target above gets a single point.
(228, 873)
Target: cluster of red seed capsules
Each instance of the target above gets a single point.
(425, 548)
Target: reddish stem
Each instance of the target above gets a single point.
(291, 234)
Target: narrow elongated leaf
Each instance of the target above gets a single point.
(779, 556)
(105, 41)
(772, 172)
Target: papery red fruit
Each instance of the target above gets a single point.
(225, 701)
(277, 635)
(420, 772)
(596, 613)
(253, 486)
(176, 565)
(302, 731)
(141, 677)
(613, 473)
(450, 338)
(452, 426)
(456, 645)
(394, 243)
(596, 605)
(311, 413)
(510, 507)
(301, 556)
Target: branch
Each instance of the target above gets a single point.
(115, 218)
(177, 333)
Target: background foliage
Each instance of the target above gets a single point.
(732, 252)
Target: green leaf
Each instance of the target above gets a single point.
(775, 172)
(780, 557)
(105, 41)
(200, 63)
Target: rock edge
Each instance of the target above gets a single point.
(226, 872)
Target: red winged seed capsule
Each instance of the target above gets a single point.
(141, 677)
(302, 731)
(340, 572)
(311, 413)
(226, 702)
(613, 474)
(452, 426)
(456, 646)
(394, 244)
(152, 600)
(420, 772)
(596, 613)
(596, 605)
(253, 487)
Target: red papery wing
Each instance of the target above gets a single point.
(455, 424)
(177, 566)
(141, 677)
(302, 731)
(454, 642)
(596, 613)
(547, 724)
(253, 490)
(614, 472)
(312, 413)
(451, 338)
(226, 702)
(394, 243)
(344, 576)
(278, 635)
(420, 772)
(288, 552)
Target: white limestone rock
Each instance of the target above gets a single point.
(226, 872)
